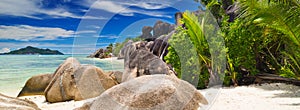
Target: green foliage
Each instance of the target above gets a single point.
(109, 48)
(188, 52)
(278, 20)
(118, 46)
(195, 53)
(264, 38)
(287, 72)
(244, 42)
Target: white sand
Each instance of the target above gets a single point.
(112, 59)
(275, 96)
(42, 104)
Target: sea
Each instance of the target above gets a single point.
(15, 70)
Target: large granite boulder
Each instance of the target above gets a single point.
(162, 28)
(11, 103)
(36, 85)
(77, 82)
(121, 54)
(160, 45)
(151, 92)
(149, 45)
(142, 62)
(115, 75)
(146, 32)
(91, 81)
(62, 84)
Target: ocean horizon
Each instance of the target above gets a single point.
(15, 70)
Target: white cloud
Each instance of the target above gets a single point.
(5, 50)
(110, 7)
(93, 17)
(31, 8)
(62, 13)
(109, 36)
(148, 5)
(26, 32)
(119, 4)
(122, 7)
(86, 32)
(18, 7)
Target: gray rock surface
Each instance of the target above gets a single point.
(162, 28)
(146, 32)
(123, 50)
(151, 92)
(160, 45)
(142, 62)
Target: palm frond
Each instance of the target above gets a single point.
(195, 31)
(281, 15)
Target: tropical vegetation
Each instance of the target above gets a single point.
(260, 36)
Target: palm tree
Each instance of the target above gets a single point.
(277, 16)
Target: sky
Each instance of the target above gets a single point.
(80, 26)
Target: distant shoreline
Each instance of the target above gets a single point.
(44, 54)
(29, 50)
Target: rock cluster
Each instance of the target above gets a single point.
(101, 53)
(151, 92)
(139, 61)
(147, 82)
(70, 81)
(160, 28)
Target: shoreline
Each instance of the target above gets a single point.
(110, 59)
(13, 87)
(274, 96)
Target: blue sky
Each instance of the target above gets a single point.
(80, 26)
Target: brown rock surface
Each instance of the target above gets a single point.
(11, 103)
(91, 81)
(62, 82)
(36, 85)
(151, 92)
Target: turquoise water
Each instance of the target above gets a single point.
(16, 69)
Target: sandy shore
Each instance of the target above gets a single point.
(42, 104)
(275, 96)
(114, 59)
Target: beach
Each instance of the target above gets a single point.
(276, 96)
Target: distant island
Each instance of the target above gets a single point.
(29, 50)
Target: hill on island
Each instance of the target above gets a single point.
(29, 50)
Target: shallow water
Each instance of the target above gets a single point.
(16, 69)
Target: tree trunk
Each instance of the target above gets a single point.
(272, 78)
